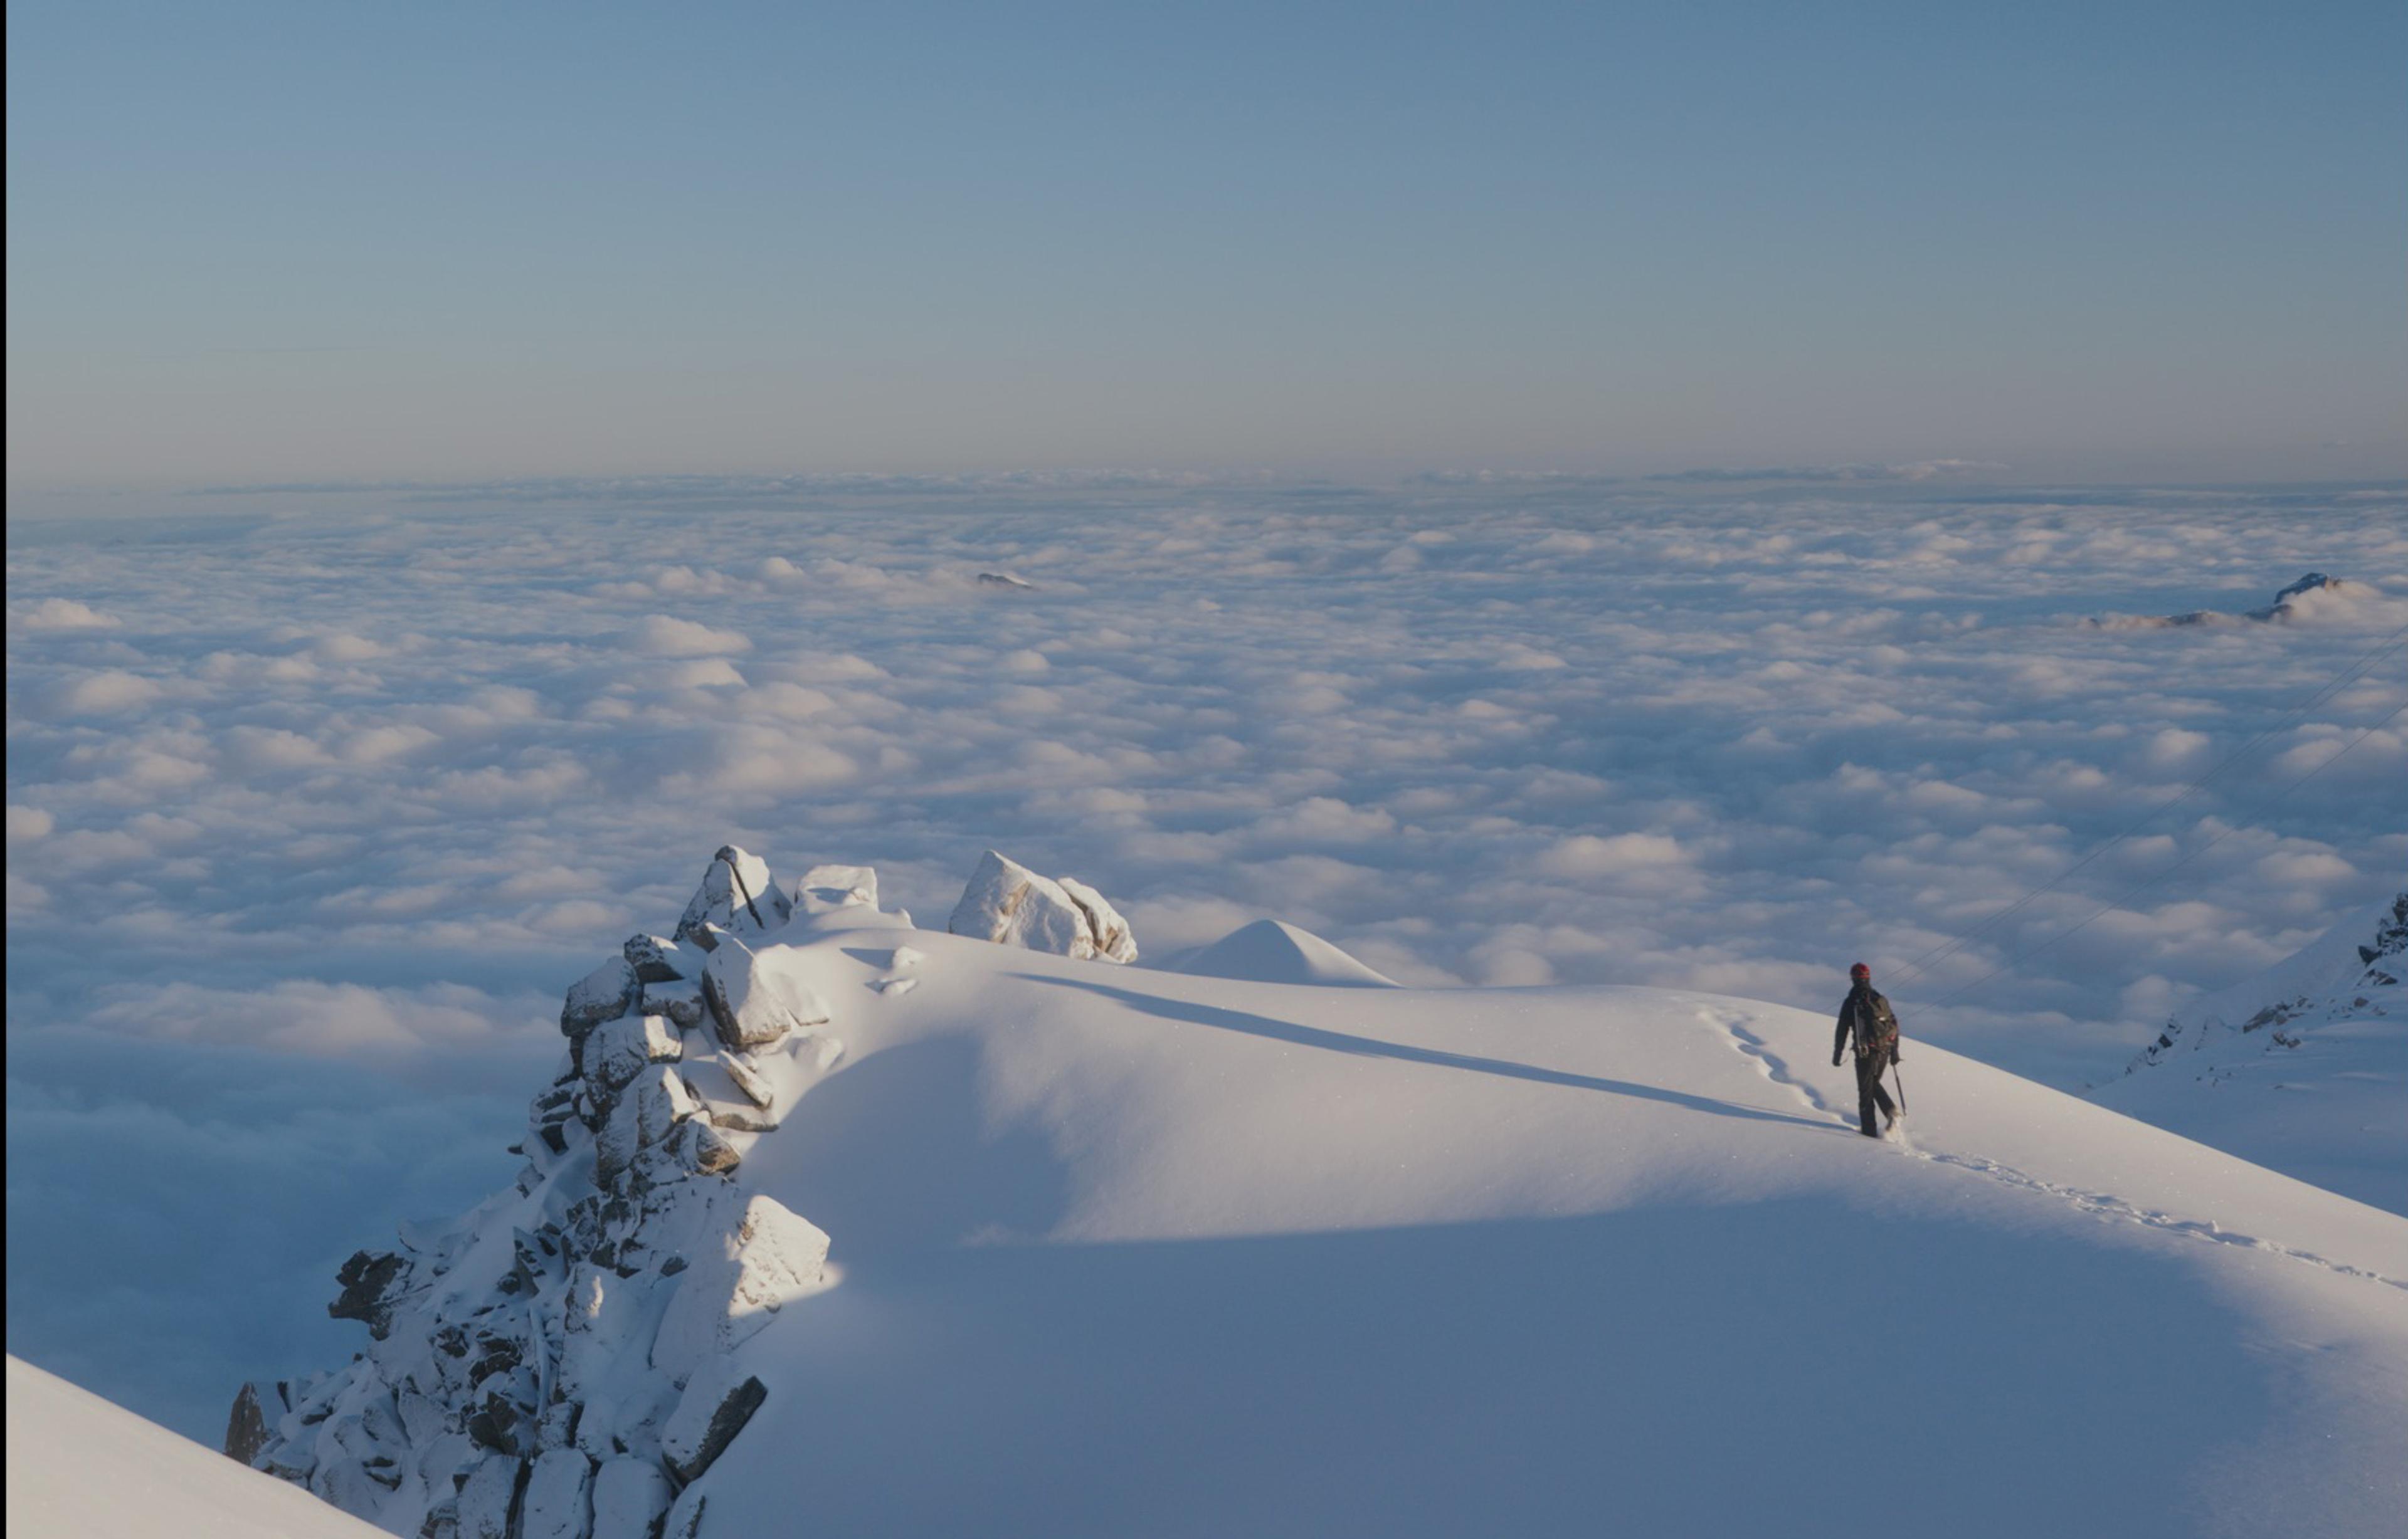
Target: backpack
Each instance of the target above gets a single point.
(1875, 1024)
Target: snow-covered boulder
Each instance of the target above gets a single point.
(488, 1495)
(755, 1004)
(645, 1113)
(616, 1051)
(1010, 905)
(1109, 932)
(559, 1499)
(737, 895)
(605, 993)
(629, 1497)
(744, 1272)
(658, 961)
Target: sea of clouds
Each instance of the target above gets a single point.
(317, 798)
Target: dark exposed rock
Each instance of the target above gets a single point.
(257, 1406)
(603, 994)
(372, 1282)
(698, 1434)
(658, 961)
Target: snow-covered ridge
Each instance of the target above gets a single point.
(827, 1222)
(558, 1363)
(2302, 1067)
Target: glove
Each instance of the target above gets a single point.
(1835, 1061)
(1895, 1055)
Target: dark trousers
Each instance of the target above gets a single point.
(1869, 1068)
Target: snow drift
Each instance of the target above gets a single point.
(827, 1222)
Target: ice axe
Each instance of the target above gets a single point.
(1898, 1075)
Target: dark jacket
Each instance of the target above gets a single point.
(1867, 1021)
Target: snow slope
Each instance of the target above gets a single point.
(82, 1468)
(2302, 1068)
(1116, 1251)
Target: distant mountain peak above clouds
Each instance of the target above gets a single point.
(2313, 597)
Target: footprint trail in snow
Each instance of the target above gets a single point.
(1733, 1026)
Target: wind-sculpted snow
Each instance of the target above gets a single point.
(317, 802)
(1045, 1245)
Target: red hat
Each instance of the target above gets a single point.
(1861, 971)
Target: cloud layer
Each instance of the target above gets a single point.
(352, 796)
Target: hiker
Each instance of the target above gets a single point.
(1867, 1021)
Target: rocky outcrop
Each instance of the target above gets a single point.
(256, 1406)
(2354, 973)
(573, 1393)
(737, 895)
(1010, 905)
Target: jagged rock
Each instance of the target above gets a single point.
(257, 1406)
(737, 894)
(825, 889)
(650, 1108)
(1010, 905)
(718, 1402)
(766, 1258)
(559, 1501)
(1113, 942)
(629, 1497)
(755, 1004)
(603, 994)
(616, 1051)
(550, 1113)
(681, 1001)
(658, 961)
(372, 1282)
(741, 1119)
(488, 1502)
(702, 1149)
(442, 1520)
(2282, 607)
(756, 1089)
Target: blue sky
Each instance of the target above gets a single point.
(267, 242)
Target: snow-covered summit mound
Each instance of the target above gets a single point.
(1273, 951)
(2303, 1067)
(835, 1224)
